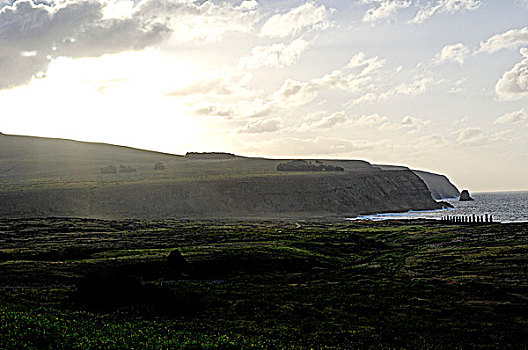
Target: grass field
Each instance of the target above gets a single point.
(82, 283)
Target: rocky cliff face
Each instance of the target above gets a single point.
(271, 196)
(439, 185)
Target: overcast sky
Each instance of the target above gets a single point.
(440, 85)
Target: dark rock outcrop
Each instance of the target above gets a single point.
(464, 196)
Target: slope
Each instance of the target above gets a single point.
(53, 177)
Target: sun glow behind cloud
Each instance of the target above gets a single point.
(114, 98)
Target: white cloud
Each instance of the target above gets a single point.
(248, 4)
(433, 140)
(385, 9)
(509, 40)
(318, 146)
(261, 126)
(454, 53)
(367, 65)
(199, 22)
(515, 117)
(470, 137)
(443, 6)
(513, 85)
(412, 124)
(276, 55)
(305, 17)
(457, 88)
(320, 120)
(417, 87)
(371, 120)
(294, 93)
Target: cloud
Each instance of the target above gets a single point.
(303, 18)
(248, 4)
(412, 124)
(457, 88)
(385, 9)
(261, 126)
(515, 117)
(372, 120)
(367, 65)
(199, 22)
(417, 87)
(511, 39)
(320, 120)
(217, 85)
(513, 85)
(315, 146)
(64, 28)
(454, 53)
(443, 6)
(276, 55)
(294, 93)
(433, 140)
(412, 89)
(470, 137)
(225, 111)
(80, 28)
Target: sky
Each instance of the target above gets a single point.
(438, 85)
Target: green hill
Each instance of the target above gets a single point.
(56, 177)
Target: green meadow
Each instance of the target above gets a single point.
(140, 284)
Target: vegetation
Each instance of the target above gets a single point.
(86, 283)
(303, 165)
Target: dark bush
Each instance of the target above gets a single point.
(4, 256)
(159, 166)
(176, 260)
(107, 291)
(67, 253)
(303, 165)
(126, 169)
(111, 169)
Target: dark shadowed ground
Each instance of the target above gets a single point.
(80, 283)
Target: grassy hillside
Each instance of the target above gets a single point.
(53, 177)
(78, 284)
(29, 162)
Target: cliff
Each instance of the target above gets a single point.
(53, 177)
(439, 185)
(272, 196)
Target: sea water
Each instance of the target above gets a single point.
(503, 206)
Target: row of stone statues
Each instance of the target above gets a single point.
(467, 219)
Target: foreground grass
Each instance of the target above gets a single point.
(79, 283)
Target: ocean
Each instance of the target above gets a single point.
(503, 206)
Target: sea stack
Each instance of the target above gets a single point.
(464, 196)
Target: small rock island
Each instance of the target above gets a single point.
(464, 196)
